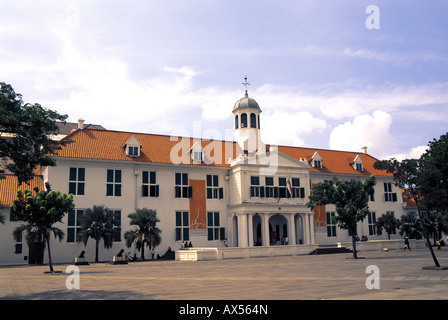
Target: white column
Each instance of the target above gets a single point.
(311, 215)
(291, 229)
(265, 229)
(250, 229)
(306, 229)
(242, 230)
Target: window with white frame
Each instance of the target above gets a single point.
(255, 189)
(182, 226)
(371, 218)
(74, 224)
(150, 188)
(271, 191)
(76, 184)
(389, 196)
(113, 185)
(181, 188)
(297, 191)
(214, 229)
(331, 224)
(213, 189)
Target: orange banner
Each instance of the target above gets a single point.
(198, 214)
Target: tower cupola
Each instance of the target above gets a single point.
(246, 113)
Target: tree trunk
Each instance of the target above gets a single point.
(425, 234)
(47, 239)
(355, 253)
(97, 243)
(143, 252)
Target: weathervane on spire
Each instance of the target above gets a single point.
(246, 83)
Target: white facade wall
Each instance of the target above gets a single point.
(165, 204)
(239, 211)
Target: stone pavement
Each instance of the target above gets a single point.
(315, 277)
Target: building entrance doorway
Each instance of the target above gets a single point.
(257, 230)
(278, 229)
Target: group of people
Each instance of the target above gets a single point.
(186, 244)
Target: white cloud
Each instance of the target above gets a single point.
(415, 153)
(288, 128)
(365, 130)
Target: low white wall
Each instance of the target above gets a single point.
(202, 254)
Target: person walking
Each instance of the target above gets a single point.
(406, 244)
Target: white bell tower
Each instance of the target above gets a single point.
(246, 114)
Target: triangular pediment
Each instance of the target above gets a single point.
(272, 158)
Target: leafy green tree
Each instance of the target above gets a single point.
(41, 212)
(408, 175)
(146, 232)
(350, 198)
(387, 222)
(434, 181)
(435, 223)
(97, 223)
(26, 130)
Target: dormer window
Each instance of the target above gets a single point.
(197, 156)
(197, 153)
(133, 151)
(133, 147)
(358, 164)
(316, 161)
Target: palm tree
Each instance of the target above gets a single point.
(410, 225)
(35, 235)
(146, 233)
(97, 223)
(388, 222)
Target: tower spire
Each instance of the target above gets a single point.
(246, 83)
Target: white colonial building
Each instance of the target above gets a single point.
(212, 193)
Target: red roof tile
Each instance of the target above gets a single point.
(110, 145)
(9, 186)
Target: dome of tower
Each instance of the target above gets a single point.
(246, 102)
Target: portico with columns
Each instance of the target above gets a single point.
(263, 229)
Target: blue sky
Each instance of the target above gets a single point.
(321, 77)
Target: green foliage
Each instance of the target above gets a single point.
(434, 182)
(350, 197)
(413, 177)
(29, 127)
(410, 225)
(387, 222)
(97, 223)
(41, 212)
(146, 232)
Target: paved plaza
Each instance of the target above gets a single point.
(316, 277)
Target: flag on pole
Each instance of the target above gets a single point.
(289, 186)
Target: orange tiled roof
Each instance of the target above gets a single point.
(335, 161)
(110, 145)
(10, 185)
